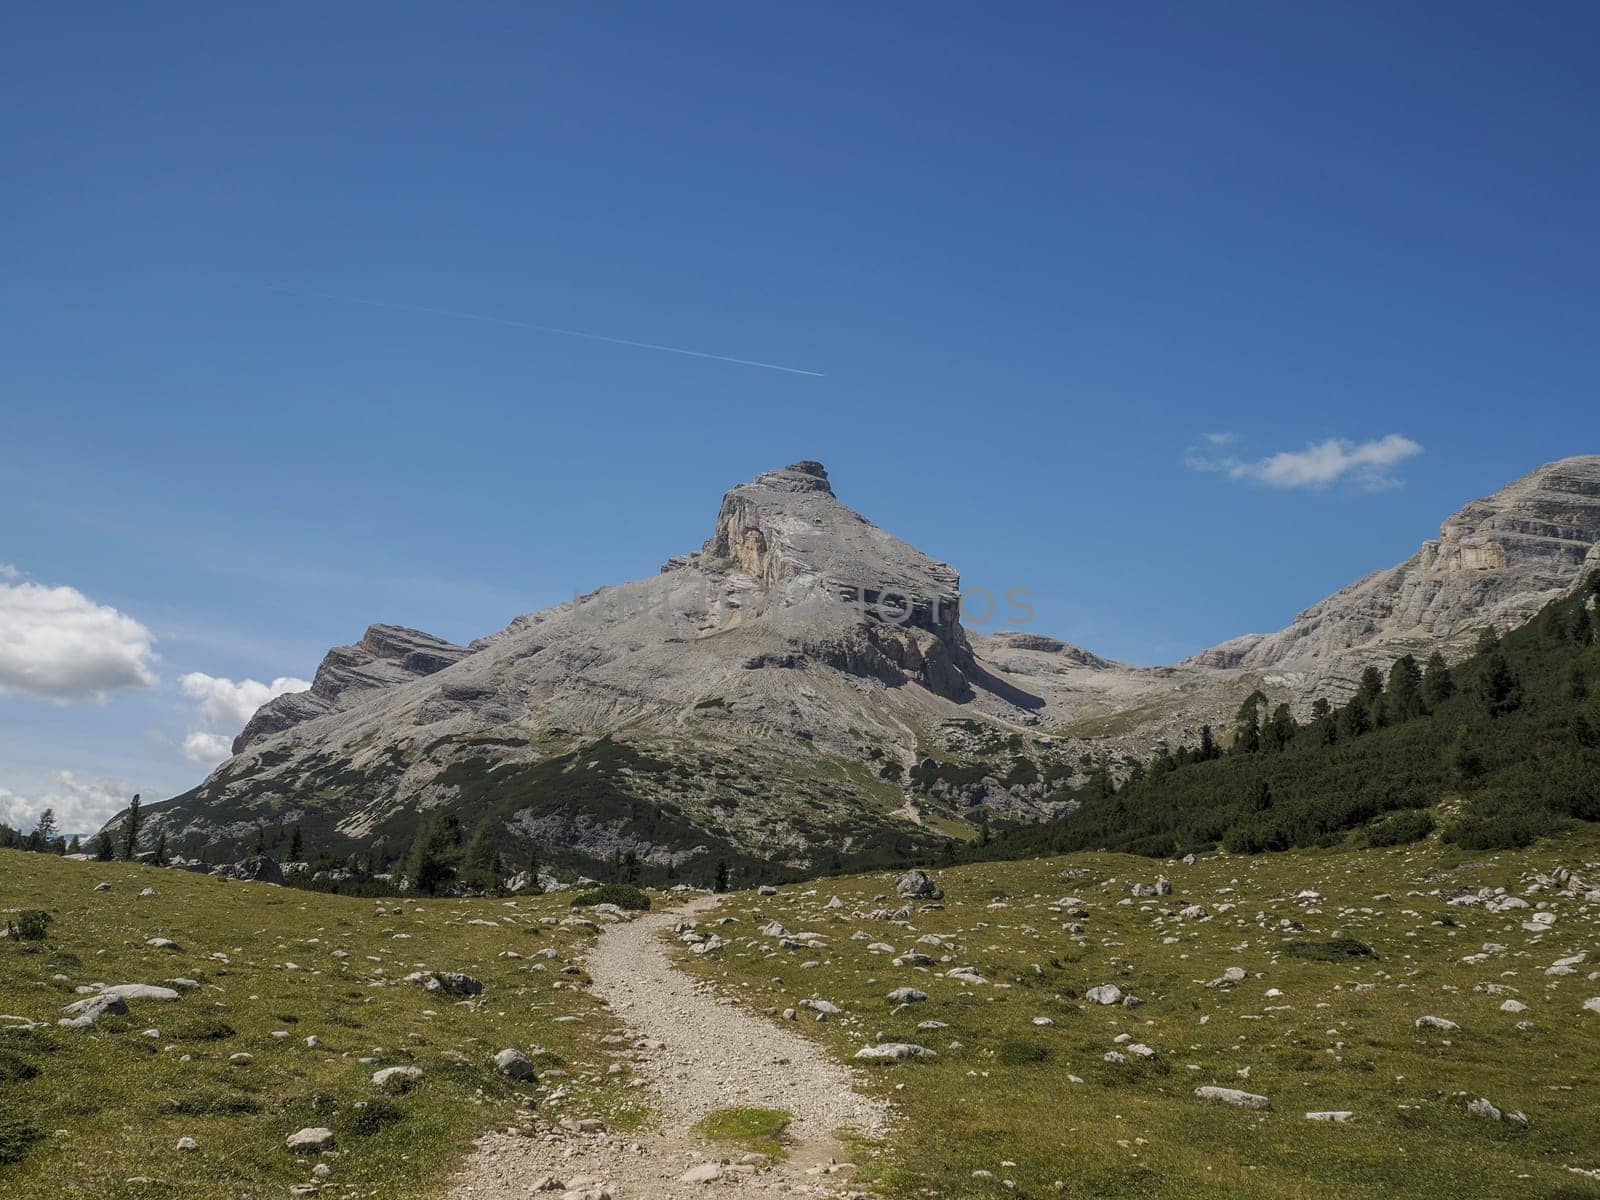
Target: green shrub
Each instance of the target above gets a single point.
(1400, 828)
(1018, 1052)
(1336, 950)
(14, 1068)
(373, 1116)
(623, 895)
(29, 925)
(17, 1137)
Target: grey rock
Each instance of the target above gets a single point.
(894, 1052)
(918, 885)
(310, 1140)
(514, 1064)
(1233, 1096)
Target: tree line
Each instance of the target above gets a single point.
(1512, 732)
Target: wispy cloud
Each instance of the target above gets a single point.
(1368, 465)
(555, 329)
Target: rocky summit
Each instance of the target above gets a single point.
(800, 692)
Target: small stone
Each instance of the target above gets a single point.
(188, 1143)
(707, 1172)
(310, 1140)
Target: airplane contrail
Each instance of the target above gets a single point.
(577, 333)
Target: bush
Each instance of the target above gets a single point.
(1400, 828)
(623, 895)
(1492, 825)
(1017, 1052)
(29, 925)
(14, 1068)
(373, 1116)
(1336, 950)
(16, 1138)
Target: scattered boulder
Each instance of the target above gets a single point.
(82, 1014)
(452, 983)
(1106, 993)
(918, 885)
(894, 1052)
(1233, 1096)
(514, 1064)
(1334, 1116)
(706, 1172)
(907, 995)
(1439, 1023)
(311, 1140)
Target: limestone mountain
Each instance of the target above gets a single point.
(1496, 562)
(800, 692)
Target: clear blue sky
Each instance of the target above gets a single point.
(1035, 252)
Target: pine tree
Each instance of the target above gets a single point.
(1488, 640)
(431, 865)
(1247, 724)
(46, 828)
(1208, 746)
(1438, 684)
(160, 856)
(481, 867)
(1371, 686)
(1280, 730)
(102, 848)
(130, 833)
(74, 847)
(721, 884)
(630, 867)
(296, 844)
(1355, 718)
(261, 841)
(1403, 700)
(1496, 685)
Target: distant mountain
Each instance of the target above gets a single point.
(1497, 561)
(800, 692)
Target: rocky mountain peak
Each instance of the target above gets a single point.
(386, 655)
(807, 475)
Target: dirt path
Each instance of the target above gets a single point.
(697, 1053)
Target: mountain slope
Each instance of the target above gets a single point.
(1497, 561)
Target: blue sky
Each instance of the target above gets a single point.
(1036, 256)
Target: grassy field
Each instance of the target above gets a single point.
(99, 1113)
(1022, 1097)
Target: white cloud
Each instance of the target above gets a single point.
(7, 571)
(81, 805)
(224, 708)
(1368, 465)
(57, 643)
(228, 705)
(207, 749)
(1221, 439)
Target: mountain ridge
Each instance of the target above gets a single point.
(802, 685)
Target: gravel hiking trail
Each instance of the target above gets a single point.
(696, 1053)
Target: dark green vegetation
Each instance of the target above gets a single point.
(268, 961)
(623, 895)
(1319, 1015)
(1510, 736)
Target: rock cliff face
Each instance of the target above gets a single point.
(1497, 561)
(799, 692)
(385, 656)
